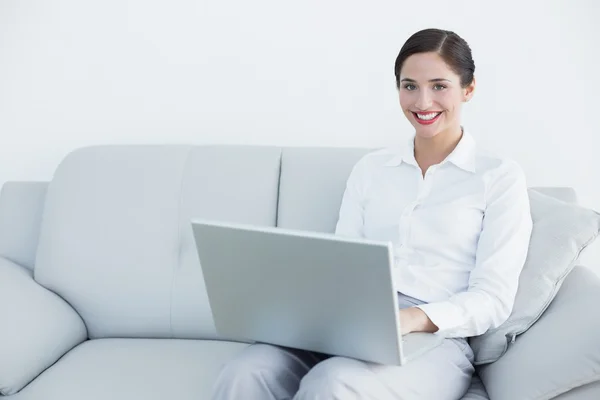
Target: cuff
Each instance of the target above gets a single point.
(445, 315)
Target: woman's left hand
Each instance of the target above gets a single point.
(413, 319)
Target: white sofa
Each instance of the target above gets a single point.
(102, 296)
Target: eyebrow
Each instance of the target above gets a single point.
(431, 80)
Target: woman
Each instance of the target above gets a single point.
(461, 223)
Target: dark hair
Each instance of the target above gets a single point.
(453, 49)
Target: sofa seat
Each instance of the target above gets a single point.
(131, 369)
(146, 369)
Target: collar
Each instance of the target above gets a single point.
(463, 155)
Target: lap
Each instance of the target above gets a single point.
(265, 355)
(264, 372)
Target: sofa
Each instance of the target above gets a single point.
(102, 295)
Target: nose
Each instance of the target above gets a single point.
(423, 101)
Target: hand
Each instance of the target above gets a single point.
(413, 319)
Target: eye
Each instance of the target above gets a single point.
(439, 86)
(410, 87)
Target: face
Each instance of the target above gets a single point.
(431, 96)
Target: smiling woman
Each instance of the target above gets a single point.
(460, 223)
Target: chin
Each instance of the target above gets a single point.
(426, 132)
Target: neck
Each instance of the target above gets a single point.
(434, 150)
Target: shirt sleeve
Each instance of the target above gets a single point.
(500, 256)
(351, 215)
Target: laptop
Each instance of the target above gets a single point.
(305, 290)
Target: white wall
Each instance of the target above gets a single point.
(314, 72)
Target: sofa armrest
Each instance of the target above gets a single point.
(37, 327)
(21, 206)
(561, 351)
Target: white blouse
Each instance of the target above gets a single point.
(460, 233)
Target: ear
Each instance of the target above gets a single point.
(469, 91)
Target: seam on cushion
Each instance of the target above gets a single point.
(576, 384)
(278, 194)
(178, 233)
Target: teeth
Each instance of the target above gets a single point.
(428, 116)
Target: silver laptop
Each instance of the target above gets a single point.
(305, 290)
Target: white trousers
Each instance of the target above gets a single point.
(266, 372)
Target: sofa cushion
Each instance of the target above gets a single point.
(560, 233)
(116, 238)
(126, 369)
(36, 327)
(559, 353)
(109, 236)
(312, 185)
(227, 183)
(563, 193)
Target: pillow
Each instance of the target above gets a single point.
(561, 231)
(37, 328)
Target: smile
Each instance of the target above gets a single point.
(427, 118)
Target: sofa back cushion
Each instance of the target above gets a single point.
(312, 184)
(226, 183)
(116, 241)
